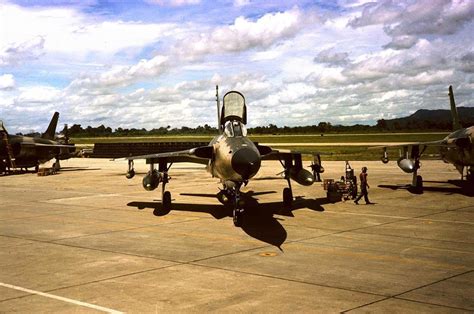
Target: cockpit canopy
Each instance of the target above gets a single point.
(234, 108)
(235, 129)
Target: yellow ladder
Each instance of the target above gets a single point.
(11, 157)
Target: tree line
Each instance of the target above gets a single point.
(77, 130)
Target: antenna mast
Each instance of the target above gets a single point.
(218, 109)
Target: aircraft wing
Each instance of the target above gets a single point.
(49, 145)
(200, 155)
(280, 154)
(433, 143)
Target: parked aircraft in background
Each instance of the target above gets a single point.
(17, 151)
(230, 156)
(456, 148)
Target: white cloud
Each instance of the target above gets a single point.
(244, 34)
(405, 19)
(331, 57)
(7, 81)
(38, 94)
(27, 33)
(22, 51)
(123, 75)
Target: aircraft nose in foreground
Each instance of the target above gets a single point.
(246, 162)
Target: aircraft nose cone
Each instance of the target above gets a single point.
(246, 162)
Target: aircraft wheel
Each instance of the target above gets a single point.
(238, 217)
(419, 184)
(470, 176)
(167, 200)
(223, 198)
(287, 197)
(37, 167)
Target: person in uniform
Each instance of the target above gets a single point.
(364, 186)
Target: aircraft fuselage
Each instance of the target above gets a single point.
(235, 159)
(27, 153)
(461, 154)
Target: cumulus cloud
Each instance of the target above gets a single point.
(466, 62)
(38, 94)
(404, 20)
(18, 52)
(62, 32)
(244, 34)
(123, 75)
(402, 42)
(7, 81)
(330, 57)
(421, 57)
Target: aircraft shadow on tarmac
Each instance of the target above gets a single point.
(259, 221)
(457, 187)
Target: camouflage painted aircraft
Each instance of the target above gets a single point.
(17, 151)
(456, 149)
(230, 156)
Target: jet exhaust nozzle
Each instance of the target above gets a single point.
(406, 164)
(151, 181)
(302, 176)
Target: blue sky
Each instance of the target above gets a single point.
(155, 63)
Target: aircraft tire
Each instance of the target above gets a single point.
(287, 197)
(419, 184)
(238, 217)
(167, 200)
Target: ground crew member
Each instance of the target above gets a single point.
(364, 186)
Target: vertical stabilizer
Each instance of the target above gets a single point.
(51, 130)
(454, 110)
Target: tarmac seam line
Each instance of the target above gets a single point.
(67, 300)
(432, 283)
(285, 279)
(94, 249)
(398, 296)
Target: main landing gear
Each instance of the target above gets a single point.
(417, 180)
(153, 179)
(287, 192)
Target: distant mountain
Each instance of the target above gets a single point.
(429, 119)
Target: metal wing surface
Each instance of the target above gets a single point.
(48, 145)
(442, 142)
(200, 155)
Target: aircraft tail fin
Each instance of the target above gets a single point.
(454, 110)
(51, 130)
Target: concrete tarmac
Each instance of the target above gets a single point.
(78, 242)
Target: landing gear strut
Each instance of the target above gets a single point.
(164, 178)
(238, 210)
(287, 192)
(417, 181)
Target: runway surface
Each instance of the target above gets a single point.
(78, 242)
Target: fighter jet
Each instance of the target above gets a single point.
(456, 149)
(17, 151)
(230, 156)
